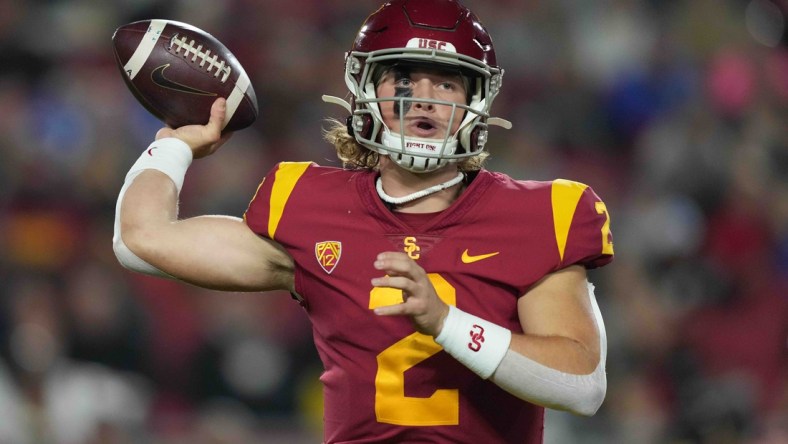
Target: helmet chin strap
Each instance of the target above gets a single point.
(410, 152)
(418, 194)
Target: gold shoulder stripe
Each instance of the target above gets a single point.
(285, 180)
(565, 195)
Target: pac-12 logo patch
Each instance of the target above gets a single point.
(328, 254)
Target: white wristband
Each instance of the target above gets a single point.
(478, 344)
(170, 155)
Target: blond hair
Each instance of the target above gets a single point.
(356, 156)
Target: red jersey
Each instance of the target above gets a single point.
(383, 381)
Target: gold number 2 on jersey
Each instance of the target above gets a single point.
(391, 404)
(607, 244)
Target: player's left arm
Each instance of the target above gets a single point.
(559, 360)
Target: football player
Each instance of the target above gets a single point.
(449, 303)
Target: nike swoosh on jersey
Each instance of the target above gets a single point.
(468, 259)
(157, 76)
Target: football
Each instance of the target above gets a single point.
(176, 71)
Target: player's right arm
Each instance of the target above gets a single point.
(217, 252)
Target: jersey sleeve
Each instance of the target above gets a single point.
(265, 211)
(581, 224)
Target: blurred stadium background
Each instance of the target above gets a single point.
(675, 111)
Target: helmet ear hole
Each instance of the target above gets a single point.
(349, 124)
(359, 125)
(473, 139)
(468, 138)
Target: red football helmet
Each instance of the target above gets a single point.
(441, 33)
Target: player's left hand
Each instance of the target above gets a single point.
(420, 301)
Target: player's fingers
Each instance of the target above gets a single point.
(216, 121)
(398, 282)
(392, 310)
(396, 263)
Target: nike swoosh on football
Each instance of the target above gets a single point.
(157, 76)
(468, 259)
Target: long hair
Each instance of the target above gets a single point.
(356, 156)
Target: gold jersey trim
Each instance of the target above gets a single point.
(285, 180)
(565, 195)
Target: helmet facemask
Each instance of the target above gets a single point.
(416, 154)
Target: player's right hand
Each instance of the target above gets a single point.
(420, 301)
(204, 140)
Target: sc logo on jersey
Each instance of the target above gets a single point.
(411, 247)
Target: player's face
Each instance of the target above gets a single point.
(421, 119)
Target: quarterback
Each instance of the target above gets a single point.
(449, 303)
